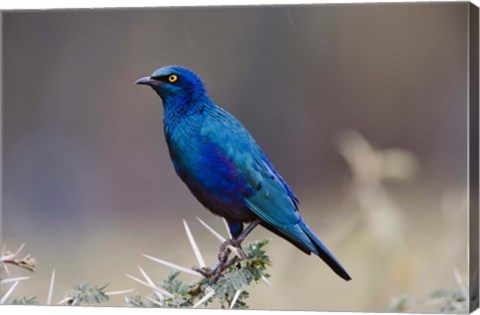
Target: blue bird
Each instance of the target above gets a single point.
(223, 166)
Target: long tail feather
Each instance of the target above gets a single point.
(323, 252)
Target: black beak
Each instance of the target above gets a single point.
(146, 81)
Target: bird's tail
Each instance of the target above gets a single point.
(323, 252)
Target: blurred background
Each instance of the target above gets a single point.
(361, 108)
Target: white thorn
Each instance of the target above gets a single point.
(214, 233)
(218, 236)
(9, 292)
(19, 249)
(149, 280)
(235, 298)
(10, 280)
(119, 292)
(154, 301)
(164, 292)
(50, 289)
(458, 277)
(227, 227)
(5, 268)
(2, 254)
(205, 298)
(195, 248)
(174, 266)
(264, 279)
(7, 257)
(12, 256)
(62, 301)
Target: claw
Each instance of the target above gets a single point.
(224, 252)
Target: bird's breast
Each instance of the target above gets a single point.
(210, 175)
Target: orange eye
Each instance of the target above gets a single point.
(172, 78)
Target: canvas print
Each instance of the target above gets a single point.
(300, 157)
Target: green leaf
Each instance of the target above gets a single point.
(32, 300)
(85, 294)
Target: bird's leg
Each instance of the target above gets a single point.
(223, 254)
(224, 251)
(223, 262)
(237, 242)
(247, 231)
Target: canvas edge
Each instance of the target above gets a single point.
(473, 143)
(1, 128)
(473, 183)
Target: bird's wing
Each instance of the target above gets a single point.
(272, 200)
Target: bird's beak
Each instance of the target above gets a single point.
(146, 81)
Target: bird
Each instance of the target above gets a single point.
(224, 167)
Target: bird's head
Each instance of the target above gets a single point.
(174, 82)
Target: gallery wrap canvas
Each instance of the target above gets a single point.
(317, 157)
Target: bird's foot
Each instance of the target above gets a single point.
(225, 250)
(223, 261)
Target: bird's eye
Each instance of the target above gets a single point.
(172, 78)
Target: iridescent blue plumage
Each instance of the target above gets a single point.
(223, 166)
